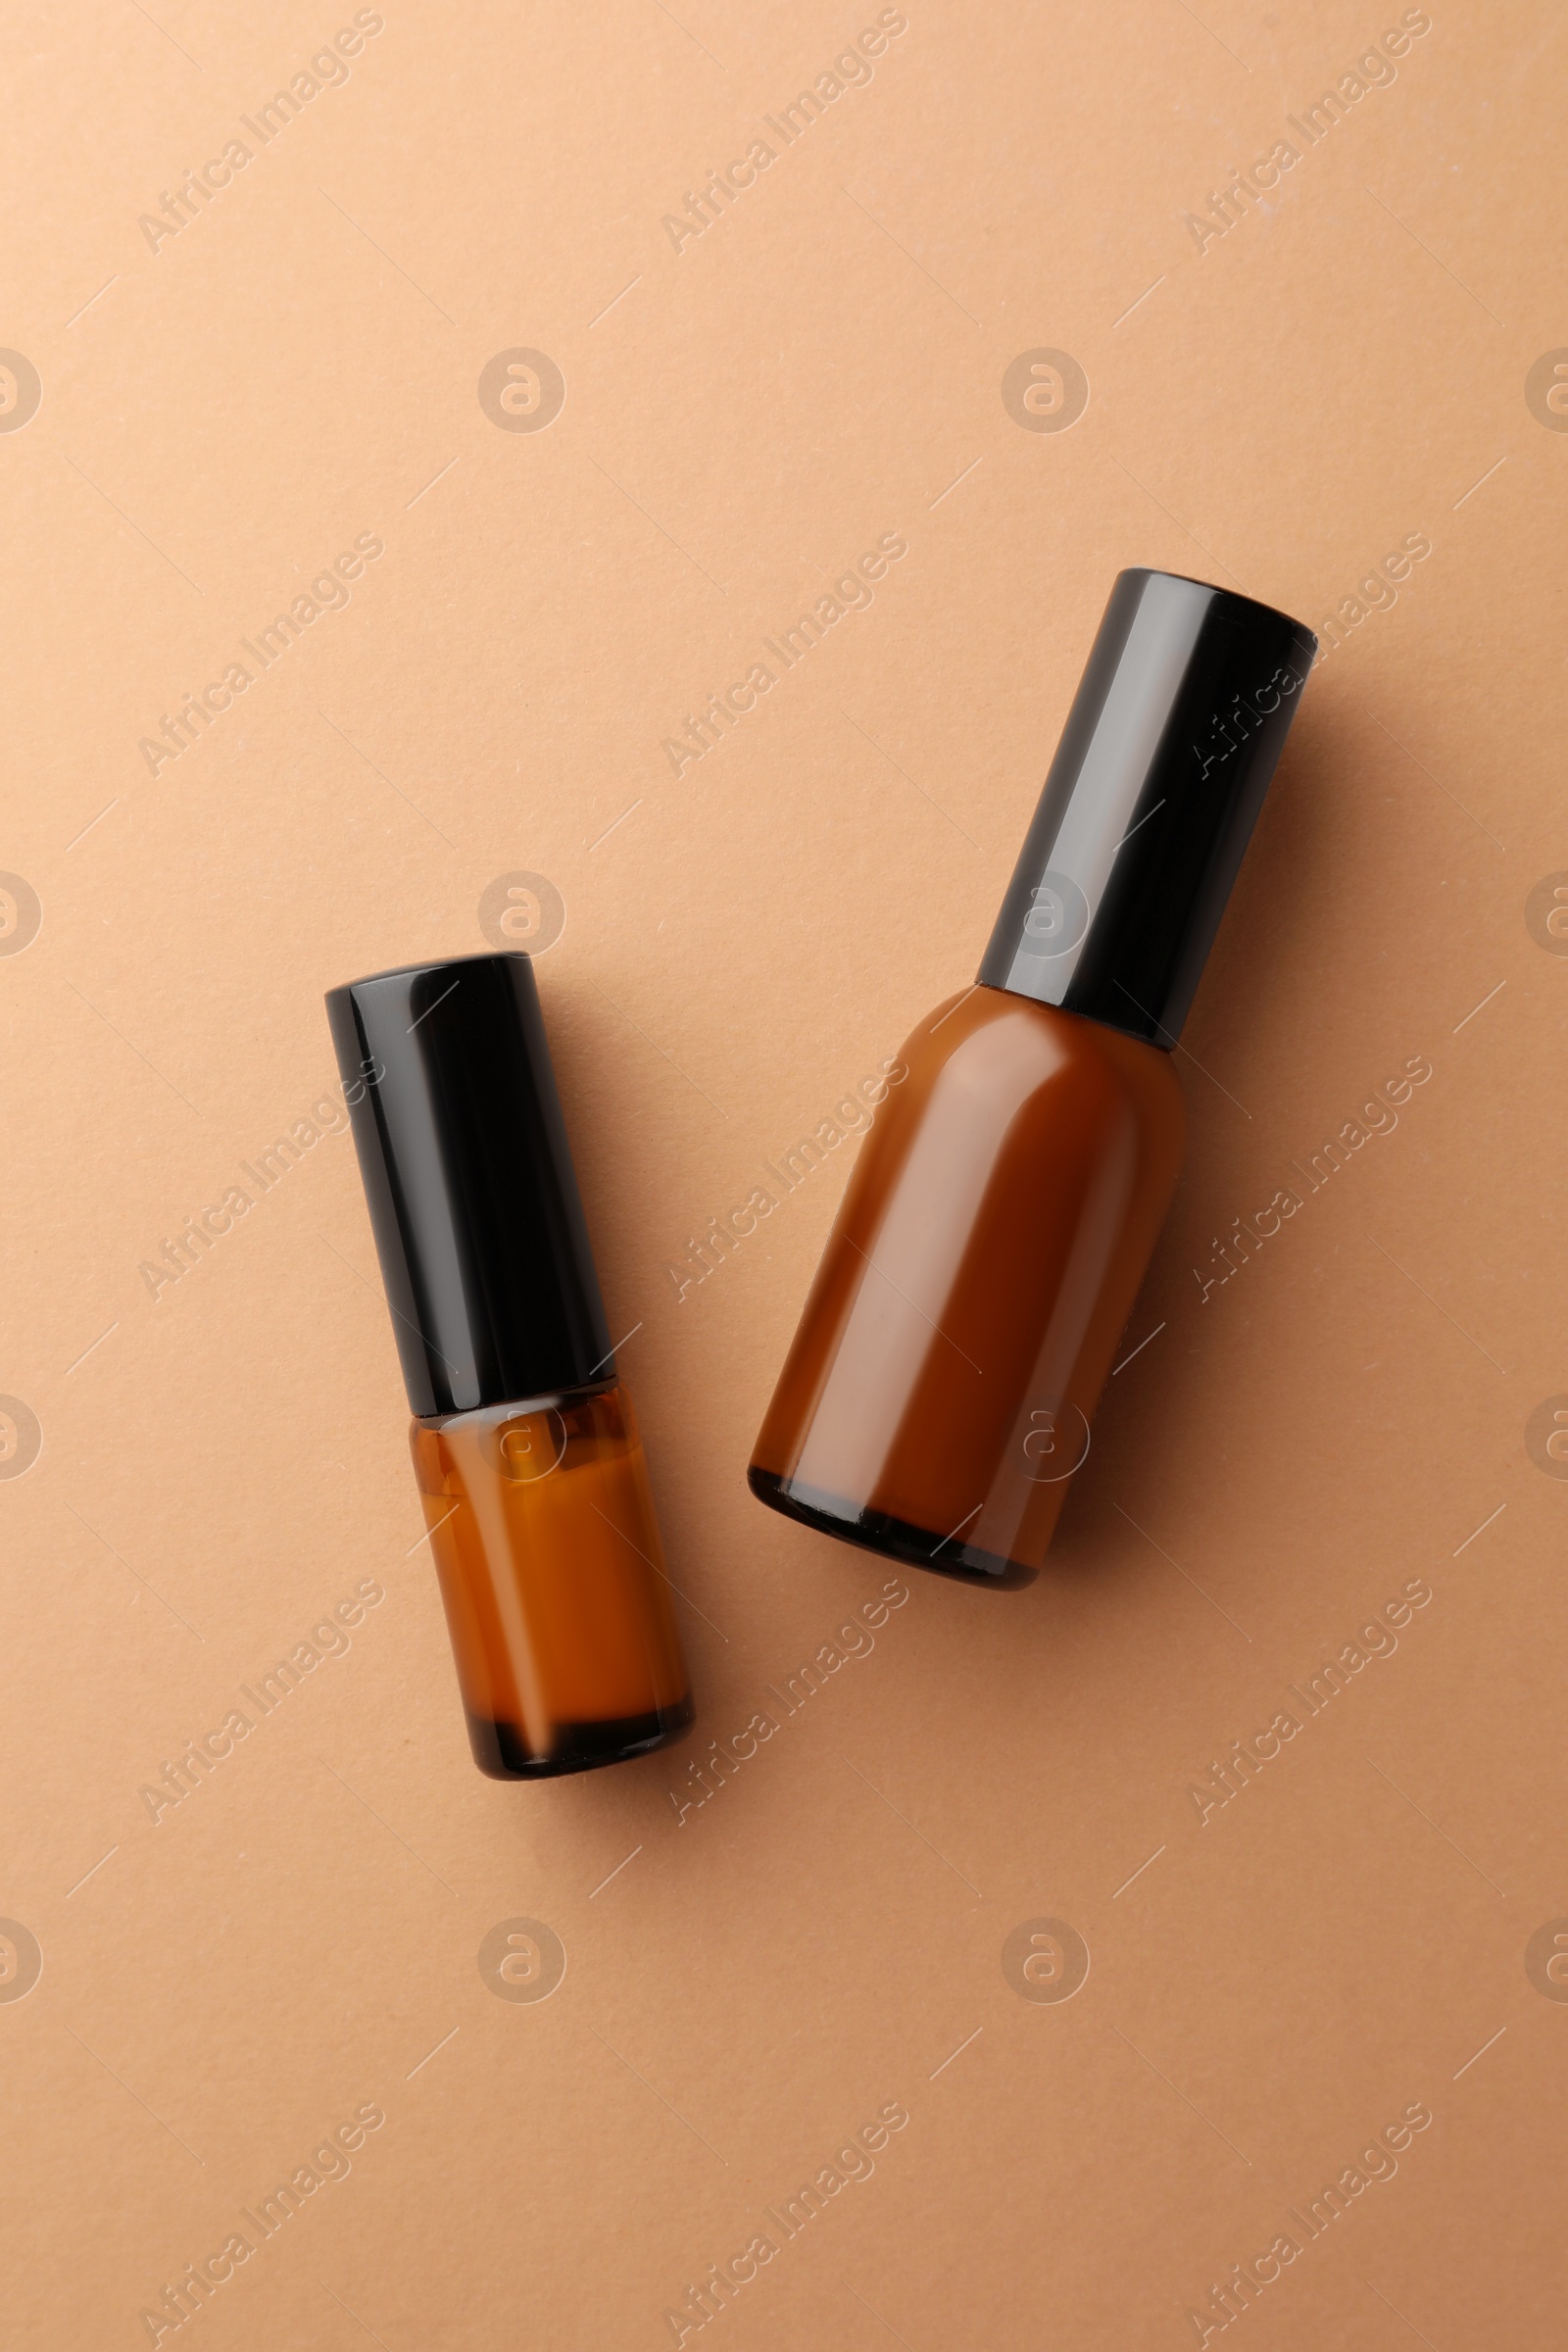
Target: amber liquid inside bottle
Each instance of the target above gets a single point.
(548, 1552)
(997, 1224)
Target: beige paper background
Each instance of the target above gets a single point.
(219, 417)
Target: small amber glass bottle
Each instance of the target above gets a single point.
(525, 1448)
(938, 1396)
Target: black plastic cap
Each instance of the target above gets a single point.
(1168, 749)
(474, 1205)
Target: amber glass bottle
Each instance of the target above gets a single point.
(548, 1553)
(939, 1392)
(984, 1260)
(525, 1448)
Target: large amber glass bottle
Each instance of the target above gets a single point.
(985, 1258)
(939, 1392)
(529, 1465)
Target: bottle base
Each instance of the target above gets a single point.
(894, 1539)
(502, 1752)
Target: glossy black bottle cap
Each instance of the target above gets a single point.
(1169, 746)
(473, 1201)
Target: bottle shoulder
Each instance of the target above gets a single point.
(1011, 1048)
